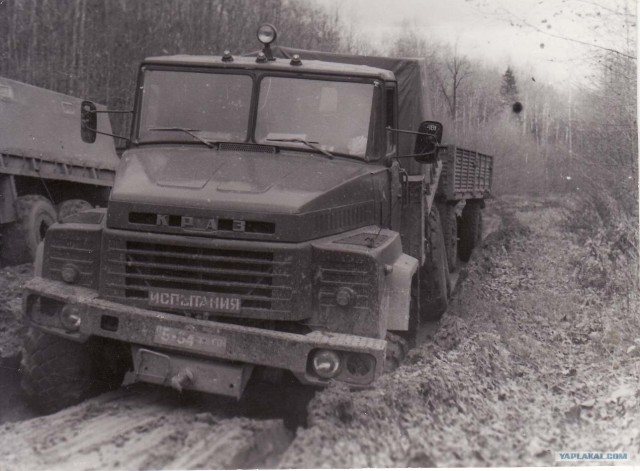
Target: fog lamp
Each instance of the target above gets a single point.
(70, 317)
(345, 297)
(326, 363)
(69, 273)
(267, 34)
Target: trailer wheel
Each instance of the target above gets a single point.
(469, 229)
(450, 230)
(21, 238)
(434, 274)
(58, 373)
(70, 207)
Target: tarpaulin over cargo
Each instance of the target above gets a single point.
(43, 124)
(410, 73)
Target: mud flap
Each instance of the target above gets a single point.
(181, 372)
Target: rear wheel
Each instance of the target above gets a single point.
(450, 230)
(470, 229)
(434, 274)
(21, 238)
(58, 373)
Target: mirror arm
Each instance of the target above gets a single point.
(388, 128)
(109, 111)
(105, 133)
(434, 154)
(439, 147)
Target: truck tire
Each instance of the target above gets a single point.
(58, 373)
(469, 229)
(70, 207)
(396, 352)
(434, 274)
(449, 222)
(21, 238)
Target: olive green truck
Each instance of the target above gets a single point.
(282, 214)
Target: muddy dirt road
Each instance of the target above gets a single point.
(527, 362)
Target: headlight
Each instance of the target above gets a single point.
(267, 34)
(69, 273)
(326, 363)
(70, 318)
(345, 297)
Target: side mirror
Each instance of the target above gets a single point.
(88, 122)
(430, 135)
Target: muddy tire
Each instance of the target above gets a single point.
(469, 229)
(449, 222)
(21, 238)
(70, 207)
(434, 274)
(397, 350)
(58, 373)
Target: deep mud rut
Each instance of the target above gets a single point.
(526, 363)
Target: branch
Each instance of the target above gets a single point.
(565, 38)
(578, 41)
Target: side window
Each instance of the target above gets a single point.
(392, 137)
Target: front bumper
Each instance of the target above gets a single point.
(208, 340)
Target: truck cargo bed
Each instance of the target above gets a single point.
(42, 127)
(466, 174)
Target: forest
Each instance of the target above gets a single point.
(581, 142)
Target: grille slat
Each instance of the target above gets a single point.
(198, 281)
(208, 258)
(220, 271)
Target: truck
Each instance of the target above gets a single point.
(47, 171)
(286, 214)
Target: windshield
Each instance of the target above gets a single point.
(332, 115)
(217, 105)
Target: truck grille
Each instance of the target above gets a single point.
(262, 279)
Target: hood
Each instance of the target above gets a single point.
(248, 186)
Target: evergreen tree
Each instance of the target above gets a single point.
(509, 89)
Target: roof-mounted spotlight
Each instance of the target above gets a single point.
(266, 35)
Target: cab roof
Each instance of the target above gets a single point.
(280, 65)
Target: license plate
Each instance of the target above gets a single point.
(173, 337)
(194, 300)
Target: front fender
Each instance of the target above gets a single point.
(396, 294)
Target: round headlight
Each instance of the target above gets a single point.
(267, 34)
(70, 317)
(345, 297)
(69, 273)
(326, 363)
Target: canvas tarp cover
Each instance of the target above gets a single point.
(40, 123)
(410, 73)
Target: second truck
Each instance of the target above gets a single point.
(285, 213)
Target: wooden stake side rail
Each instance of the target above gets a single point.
(466, 174)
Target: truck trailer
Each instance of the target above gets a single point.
(47, 171)
(285, 213)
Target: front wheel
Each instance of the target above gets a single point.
(434, 274)
(58, 373)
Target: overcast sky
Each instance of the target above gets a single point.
(483, 29)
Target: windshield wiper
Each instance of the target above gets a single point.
(191, 132)
(309, 144)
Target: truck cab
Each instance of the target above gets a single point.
(263, 218)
